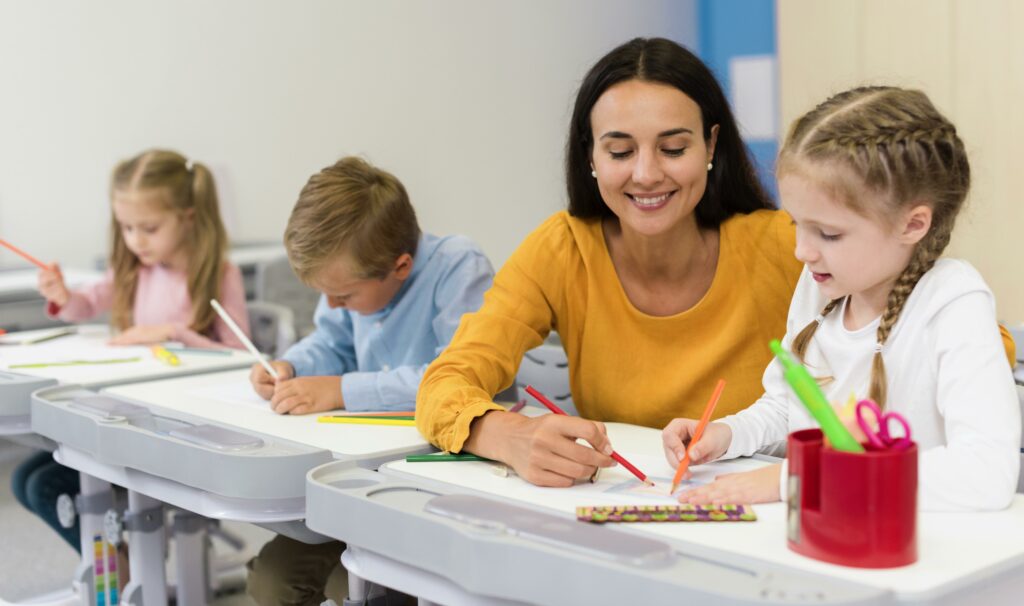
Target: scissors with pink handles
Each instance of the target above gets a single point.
(881, 438)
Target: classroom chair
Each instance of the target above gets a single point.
(272, 327)
(547, 369)
(275, 282)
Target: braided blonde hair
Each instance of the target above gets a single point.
(896, 145)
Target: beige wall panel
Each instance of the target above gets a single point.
(989, 92)
(817, 52)
(909, 43)
(969, 57)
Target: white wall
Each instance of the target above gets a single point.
(466, 101)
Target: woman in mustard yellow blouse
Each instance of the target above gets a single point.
(670, 270)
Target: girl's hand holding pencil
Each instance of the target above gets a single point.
(51, 285)
(678, 435)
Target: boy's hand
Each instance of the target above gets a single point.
(542, 450)
(305, 395)
(51, 285)
(676, 438)
(757, 486)
(136, 335)
(263, 383)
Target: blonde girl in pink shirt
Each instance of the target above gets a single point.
(167, 259)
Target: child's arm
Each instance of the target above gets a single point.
(977, 467)
(460, 290)
(81, 304)
(327, 351)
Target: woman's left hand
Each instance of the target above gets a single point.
(144, 335)
(757, 486)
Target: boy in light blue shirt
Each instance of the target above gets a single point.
(392, 297)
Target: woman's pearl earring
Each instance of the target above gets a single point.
(593, 174)
(710, 166)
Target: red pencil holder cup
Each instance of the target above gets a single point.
(854, 509)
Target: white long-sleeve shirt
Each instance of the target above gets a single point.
(947, 375)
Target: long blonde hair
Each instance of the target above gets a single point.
(894, 144)
(181, 186)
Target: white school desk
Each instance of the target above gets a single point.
(89, 341)
(454, 533)
(177, 442)
(21, 305)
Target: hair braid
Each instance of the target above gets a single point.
(894, 144)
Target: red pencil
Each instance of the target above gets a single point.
(23, 254)
(558, 411)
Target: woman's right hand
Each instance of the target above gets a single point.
(677, 435)
(542, 450)
(51, 285)
(263, 383)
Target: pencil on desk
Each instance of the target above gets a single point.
(558, 411)
(444, 456)
(244, 339)
(164, 355)
(370, 413)
(75, 363)
(202, 351)
(684, 464)
(365, 421)
(23, 254)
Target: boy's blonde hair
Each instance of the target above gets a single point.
(893, 144)
(180, 186)
(351, 208)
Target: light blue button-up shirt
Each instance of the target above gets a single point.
(383, 356)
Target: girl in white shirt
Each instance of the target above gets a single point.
(874, 178)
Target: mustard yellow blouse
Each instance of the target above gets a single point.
(624, 365)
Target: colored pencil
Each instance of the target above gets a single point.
(244, 339)
(558, 411)
(201, 351)
(75, 363)
(370, 413)
(383, 418)
(165, 356)
(23, 254)
(431, 458)
(684, 464)
(364, 421)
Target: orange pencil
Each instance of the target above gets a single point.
(24, 255)
(710, 408)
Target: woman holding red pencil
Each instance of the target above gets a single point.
(668, 268)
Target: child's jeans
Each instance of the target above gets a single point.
(37, 482)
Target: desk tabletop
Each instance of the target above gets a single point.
(954, 547)
(227, 398)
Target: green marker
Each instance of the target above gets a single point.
(807, 390)
(430, 458)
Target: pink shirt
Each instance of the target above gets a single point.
(161, 297)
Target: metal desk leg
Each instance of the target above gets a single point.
(94, 499)
(190, 559)
(146, 551)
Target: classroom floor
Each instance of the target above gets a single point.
(34, 561)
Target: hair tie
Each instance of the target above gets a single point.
(819, 319)
(878, 348)
(188, 165)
